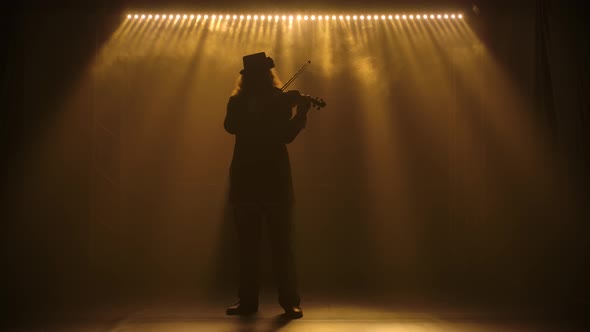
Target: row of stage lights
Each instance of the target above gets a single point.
(298, 17)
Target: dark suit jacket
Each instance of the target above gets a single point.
(263, 124)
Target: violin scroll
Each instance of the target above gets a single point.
(317, 102)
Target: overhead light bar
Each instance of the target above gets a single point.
(314, 17)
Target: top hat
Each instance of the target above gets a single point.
(257, 62)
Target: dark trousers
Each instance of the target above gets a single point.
(278, 219)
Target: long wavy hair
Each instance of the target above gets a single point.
(252, 83)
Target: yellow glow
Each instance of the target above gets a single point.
(376, 17)
(129, 16)
(263, 17)
(157, 17)
(199, 16)
(305, 17)
(460, 16)
(397, 17)
(439, 16)
(184, 17)
(341, 17)
(213, 16)
(374, 66)
(405, 44)
(411, 17)
(404, 17)
(334, 17)
(255, 17)
(382, 17)
(368, 17)
(425, 16)
(290, 17)
(313, 17)
(348, 17)
(362, 17)
(453, 16)
(248, 17)
(142, 17)
(177, 17)
(241, 17)
(163, 16)
(299, 17)
(320, 17)
(354, 17)
(418, 16)
(446, 16)
(327, 17)
(192, 17)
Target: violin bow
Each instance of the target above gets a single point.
(296, 75)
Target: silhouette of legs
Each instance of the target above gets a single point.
(279, 220)
(248, 220)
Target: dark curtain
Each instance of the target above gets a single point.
(561, 99)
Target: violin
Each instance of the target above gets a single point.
(295, 98)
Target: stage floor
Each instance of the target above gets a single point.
(320, 314)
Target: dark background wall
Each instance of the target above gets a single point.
(54, 251)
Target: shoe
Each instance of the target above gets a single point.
(293, 313)
(242, 309)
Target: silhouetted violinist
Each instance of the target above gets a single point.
(260, 116)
